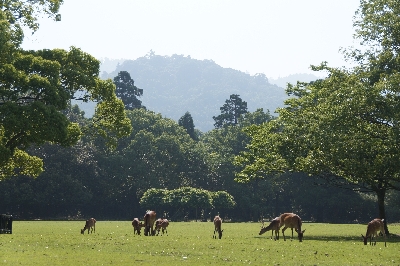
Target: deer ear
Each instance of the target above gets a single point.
(362, 235)
(303, 231)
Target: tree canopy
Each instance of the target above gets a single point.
(345, 125)
(127, 91)
(36, 86)
(186, 121)
(231, 111)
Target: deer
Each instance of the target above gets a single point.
(149, 219)
(291, 220)
(162, 224)
(274, 226)
(373, 227)
(90, 225)
(137, 226)
(217, 227)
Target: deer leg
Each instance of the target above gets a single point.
(283, 233)
(384, 235)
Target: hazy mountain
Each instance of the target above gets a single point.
(175, 84)
(109, 65)
(282, 82)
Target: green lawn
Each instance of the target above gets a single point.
(60, 243)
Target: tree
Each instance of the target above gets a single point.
(154, 199)
(223, 200)
(35, 88)
(25, 12)
(344, 126)
(127, 91)
(230, 111)
(186, 121)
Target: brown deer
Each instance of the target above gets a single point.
(149, 219)
(137, 226)
(373, 227)
(162, 224)
(90, 224)
(217, 227)
(291, 220)
(273, 226)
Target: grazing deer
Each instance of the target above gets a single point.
(291, 220)
(149, 219)
(373, 227)
(274, 226)
(90, 224)
(217, 227)
(137, 226)
(162, 224)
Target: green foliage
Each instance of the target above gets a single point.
(186, 121)
(223, 200)
(187, 197)
(154, 198)
(345, 125)
(127, 91)
(184, 197)
(231, 111)
(36, 86)
(26, 12)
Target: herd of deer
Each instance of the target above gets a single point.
(288, 220)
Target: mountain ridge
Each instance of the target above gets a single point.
(173, 85)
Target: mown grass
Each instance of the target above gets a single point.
(60, 243)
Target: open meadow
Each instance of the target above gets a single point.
(61, 243)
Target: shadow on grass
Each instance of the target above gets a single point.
(392, 238)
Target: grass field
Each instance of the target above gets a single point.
(191, 243)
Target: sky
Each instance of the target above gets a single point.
(274, 37)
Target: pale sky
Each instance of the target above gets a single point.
(274, 37)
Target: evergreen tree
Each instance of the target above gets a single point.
(233, 108)
(127, 91)
(186, 121)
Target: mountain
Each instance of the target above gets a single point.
(173, 85)
(283, 81)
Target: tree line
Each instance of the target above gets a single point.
(335, 141)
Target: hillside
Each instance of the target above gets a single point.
(175, 84)
(282, 82)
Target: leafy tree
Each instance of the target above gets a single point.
(180, 198)
(223, 200)
(127, 91)
(186, 121)
(36, 86)
(344, 126)
(154, 199)
(231, 111)
(25, 12)
(257, 117)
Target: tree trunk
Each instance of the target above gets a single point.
(381, 193)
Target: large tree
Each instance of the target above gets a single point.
(231, 111)
(36, 86)
(346, 125)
